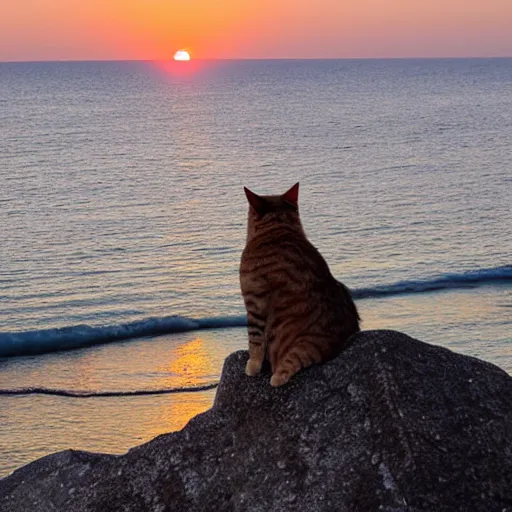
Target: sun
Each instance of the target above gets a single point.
(181, 55)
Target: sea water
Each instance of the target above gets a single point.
(123, 218)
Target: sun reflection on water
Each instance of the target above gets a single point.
(36, 425)
(185, 364)
(181, 68)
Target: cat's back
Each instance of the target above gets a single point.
(275, 239)
(285, 251)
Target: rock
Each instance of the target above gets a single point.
(392, 424)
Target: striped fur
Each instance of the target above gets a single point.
(298, 314)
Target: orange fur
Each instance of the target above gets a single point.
(298, 314)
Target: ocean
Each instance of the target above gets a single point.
(123, 219)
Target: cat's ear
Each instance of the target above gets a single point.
(292, 196)
(257, 202)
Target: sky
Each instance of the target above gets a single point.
(39, 30)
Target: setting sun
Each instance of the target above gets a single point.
(181, 55)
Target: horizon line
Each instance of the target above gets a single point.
(233, 59)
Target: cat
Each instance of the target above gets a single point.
(298, 313)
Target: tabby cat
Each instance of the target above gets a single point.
(298, 314)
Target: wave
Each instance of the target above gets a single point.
(80, 336)
(470, 279)
(90, 394)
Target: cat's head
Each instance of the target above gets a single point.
(265, 209)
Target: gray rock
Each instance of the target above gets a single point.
(392, 424)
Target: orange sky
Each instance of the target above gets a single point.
(155, 29)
